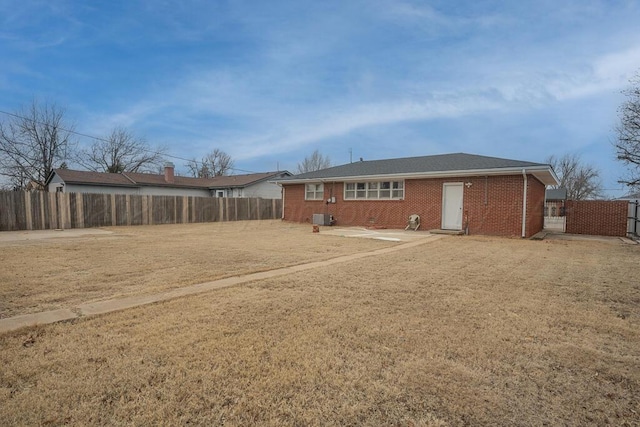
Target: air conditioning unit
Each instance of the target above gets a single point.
(322, 219)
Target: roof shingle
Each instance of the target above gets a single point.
(409, 165)
(131, 179)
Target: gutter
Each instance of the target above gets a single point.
(418, 175)
(282, 193)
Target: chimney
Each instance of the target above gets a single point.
(168, 173)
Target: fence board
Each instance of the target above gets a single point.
(21, 210)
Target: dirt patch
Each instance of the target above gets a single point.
(462, 331)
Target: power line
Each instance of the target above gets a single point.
(106, 140)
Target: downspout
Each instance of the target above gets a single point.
(282, 192)
(524, 204)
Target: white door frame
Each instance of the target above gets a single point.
(452, 211)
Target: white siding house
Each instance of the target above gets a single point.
(167, 184)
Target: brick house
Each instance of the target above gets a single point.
(466, 192)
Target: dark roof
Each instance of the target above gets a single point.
(155, 180)
(244, 180)
(93, 178)
(442, 163)
(131, 179)
(555, 194)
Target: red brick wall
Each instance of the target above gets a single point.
(535, 206)
(597, 217)
(491, 205)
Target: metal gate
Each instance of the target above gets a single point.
(554, 216)
(633, 220)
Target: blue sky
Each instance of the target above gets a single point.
(271, 81)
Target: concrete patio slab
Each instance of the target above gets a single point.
(377, 234)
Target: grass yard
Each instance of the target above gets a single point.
(40, 275)
(460, 331)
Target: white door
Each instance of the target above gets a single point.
(452, 206)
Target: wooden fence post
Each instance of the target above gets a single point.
(54, 211)
(79, 210)
(50, 200)
(185, 209)
(65, 210)
(150, 212)
(235, 207)
(113, 210)
(127, 207)
(27, 209)
(145, 209)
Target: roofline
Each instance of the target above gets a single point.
(66, 181)
(136, 184)
(101, 184)
(266, 178)
(552, 179)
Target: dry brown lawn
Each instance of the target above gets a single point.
(40, 275)
(459, 331)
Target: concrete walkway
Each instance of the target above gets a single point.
(108, 306)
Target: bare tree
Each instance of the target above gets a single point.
(119, 152)
(216, 163)
(627, 145)
(32, 142)
(581, 180)
(314, 162)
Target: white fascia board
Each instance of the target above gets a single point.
(544, 173)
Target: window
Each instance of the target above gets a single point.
(350, 190)
(314, 192)
(374, 190)
(398, 190)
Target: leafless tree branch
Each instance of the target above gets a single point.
(216, 163)
(121, 152)
(32, 143)
(581, 180)
(314, 162)
(627, 145)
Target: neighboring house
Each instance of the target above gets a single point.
(465, 192)
(167, 184)
(554, 209)
(251, 185)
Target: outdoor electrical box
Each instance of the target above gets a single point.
(322, 219)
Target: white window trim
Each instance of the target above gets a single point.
(367, 190)
(318, 192)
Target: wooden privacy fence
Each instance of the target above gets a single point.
(38, 210)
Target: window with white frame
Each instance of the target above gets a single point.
(314, 192)
(372, 190)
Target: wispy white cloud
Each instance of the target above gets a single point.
(258, 78)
